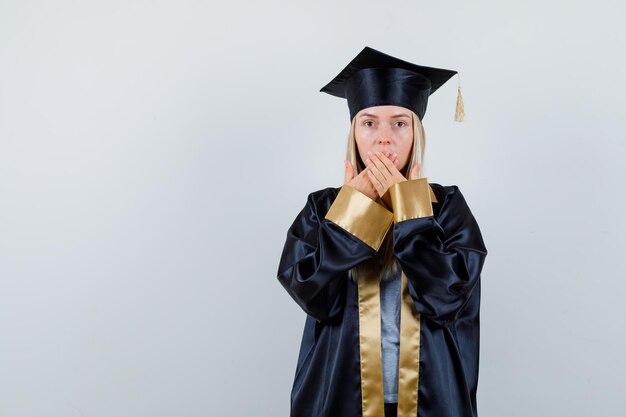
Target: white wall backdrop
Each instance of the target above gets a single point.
(154, 153)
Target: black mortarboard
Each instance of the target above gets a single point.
(373, 78)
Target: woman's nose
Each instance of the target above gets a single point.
(385, 135)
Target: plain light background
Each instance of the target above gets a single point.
(154, 153)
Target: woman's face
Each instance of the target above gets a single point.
(384, 128)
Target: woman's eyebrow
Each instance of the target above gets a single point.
(393, 117)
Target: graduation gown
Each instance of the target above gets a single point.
(439, 247)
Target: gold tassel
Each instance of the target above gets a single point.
(459, 116)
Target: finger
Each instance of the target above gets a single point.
(363, 173)
(393, 157)
(389, 165)
(371, 189)
(415, 172)
(384, 176)
(363, 183)
(388, 155)
(375, 182)
(349, 171)
(377, 159)
(377, 173)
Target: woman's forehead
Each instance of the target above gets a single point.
(385, 111)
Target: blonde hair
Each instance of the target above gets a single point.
(384, 264)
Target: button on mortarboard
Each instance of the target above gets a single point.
(373, 78)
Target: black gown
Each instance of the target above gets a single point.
(439, 247)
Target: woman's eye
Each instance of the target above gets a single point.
(369, 123)
(401, 124)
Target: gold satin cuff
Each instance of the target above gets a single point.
(411, 199)
(361, 216)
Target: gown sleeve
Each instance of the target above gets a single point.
(322, 245)
(442, 258)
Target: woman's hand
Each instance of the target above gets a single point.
(383, 173)
(361, 182)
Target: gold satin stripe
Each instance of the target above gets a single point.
(409, 362)
(361, 216)
(372, 390)
(411, 199)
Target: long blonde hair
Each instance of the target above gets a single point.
(384, 264)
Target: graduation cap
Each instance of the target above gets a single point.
(373, 78)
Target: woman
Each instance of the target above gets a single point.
(387, 267)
